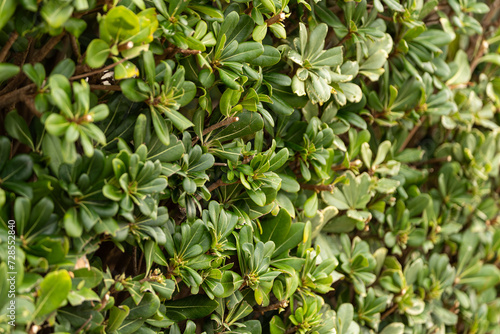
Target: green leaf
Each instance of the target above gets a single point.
(192, 307)
(344, 318)
(129, 88)
(53, 291)
(311, 206)
(116, 317)
(278, 160)
(463, 73)
(258, 196)
(98, 52)
(394, 5)
(245, 52)
(75, 26)
(277, 326)
(276, 228)
(146, 308)
(394, 328)
(17, 128)
(18, 168)
(7, 9)
(55, 13)
(210, 11)
(122, 22)
(66, 68)
(72, 225)
(125, 70)
(7, 71)
(248, 123)
(161, 127)
(269, 57)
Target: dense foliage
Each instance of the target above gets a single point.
(250, 166)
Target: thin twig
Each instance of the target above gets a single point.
(482, 48)
(5, 50)
(84, 324)
(272, 307)
(412, 133)
(389, 312)
(103, 69)
(16, 95)
(433, 161)
(276, 18)
(41, 54)
(225, 122)
(317, 187)
(355, 163)
(115, 88)
(346, 37)
(31, 107)
(292, 329)
(76, 49)
(385, 18)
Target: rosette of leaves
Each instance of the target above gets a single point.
(231, 54)
(122, 32)
(187, 244)
(357, 263)
(400, 283)
(312, 146)
(394, 104)
(269, 14)
(311, 317)
(352, 196)
(318, 278)
(164, 92)
(192, 170)
(221, 224)
(75, 120)
(255, 260)
(177, 27)
(318, 68)
(259, 177)
(136, 182)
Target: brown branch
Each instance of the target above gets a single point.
(84, 325)
(433, 161)
(217, 184)
(114, 88)
(88, 74)
(5, 49)
(292, 329)
(40, 55)
(272, 307)
(355, 163)
(488, 18)
(317, 187)
(412, 133)
(249, 8)
(389, 312)
(482, 48)
(16, 95)
(225, 122)
(76, 49)
(385, 18)
(343, 40)
(171, 51)
(276, 18)
(221, 164)
(31, 106)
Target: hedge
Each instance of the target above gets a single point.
(263, 166)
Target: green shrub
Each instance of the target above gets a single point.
(264, 166)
